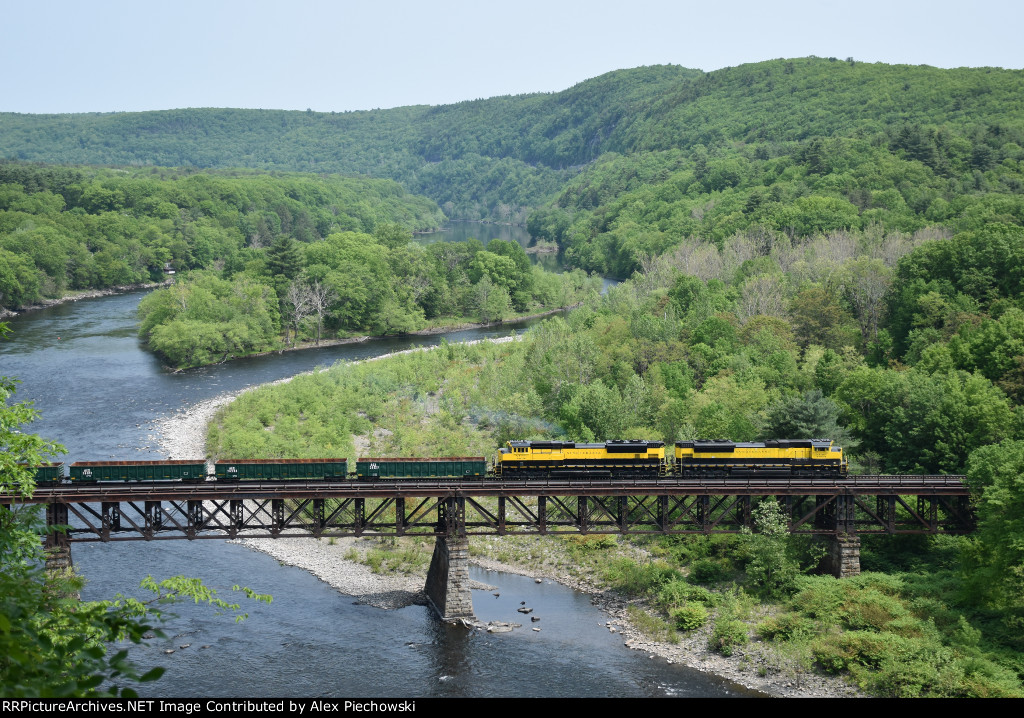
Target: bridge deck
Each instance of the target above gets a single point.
(905, 485)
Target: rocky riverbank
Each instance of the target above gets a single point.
(757, 666)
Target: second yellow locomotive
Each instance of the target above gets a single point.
(777, 457)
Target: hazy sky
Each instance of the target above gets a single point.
(114, 55)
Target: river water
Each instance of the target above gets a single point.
(99, 394)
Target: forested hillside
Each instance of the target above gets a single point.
(65, 228)
(794, 149)
(487, 157)
(905, 142)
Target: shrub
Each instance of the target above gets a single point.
(639, 579)
(770, 569)
(576, 544)
(985, 679)
(785, 627)
(881, 582)
(678, 592)
(651, 626)
(913, 679)
(871, 609)
(911, 627)
(707, 570)
(728, 633)
(689, 617)
(819, 597)
(837, 653)
(934, 609)
(866, 648)
(935, 672)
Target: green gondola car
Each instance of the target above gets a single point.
(391, 467)
(48, 474)
(279, 469)
(189, 471)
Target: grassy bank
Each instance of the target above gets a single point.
(445, 402)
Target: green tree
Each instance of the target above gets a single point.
(866, 282)
(284, 258)
(203, 319)
(19, 280)
(804, 417)
(996, 476)
(500, 270)
(819, 318)
(520, 279)
(392, 235)
(595, 412)
(770, 570)
(925, 423)
(48, 646)
(492, 300)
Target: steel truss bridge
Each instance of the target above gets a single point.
(856, 506)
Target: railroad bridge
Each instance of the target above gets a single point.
(452, 511)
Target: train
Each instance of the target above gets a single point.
(517, 460)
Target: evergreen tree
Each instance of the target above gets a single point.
(284, 258)
(811, 416)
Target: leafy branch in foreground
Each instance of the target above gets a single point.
(52, 644)
(181, 588)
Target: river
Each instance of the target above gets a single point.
(100, 395)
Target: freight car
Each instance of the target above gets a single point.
(279, 469)
(468, 467)
(189, 471)
(47, 474)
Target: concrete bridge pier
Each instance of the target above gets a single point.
(447, 586)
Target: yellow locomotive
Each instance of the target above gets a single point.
(568, 458)
(777, 457)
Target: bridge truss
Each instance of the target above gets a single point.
(859, 505)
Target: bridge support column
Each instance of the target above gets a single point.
(843, 559)
(447, 586)
(57, 547)
(57, 543)
(58, 558)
